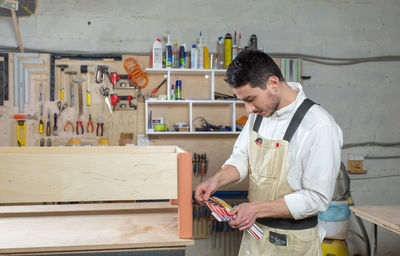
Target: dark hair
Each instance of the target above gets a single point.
(253, 68)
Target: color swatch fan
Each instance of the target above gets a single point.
(219, 209)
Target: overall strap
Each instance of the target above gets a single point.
(257, 123)
(297, 118)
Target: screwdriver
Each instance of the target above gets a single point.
(48, 128)
(55, 125)
(41, 120)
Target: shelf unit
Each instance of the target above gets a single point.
(191, 105)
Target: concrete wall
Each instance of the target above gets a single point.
(363, 97)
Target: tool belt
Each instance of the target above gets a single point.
(289, 224)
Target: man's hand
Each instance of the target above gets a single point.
(205, 189)
(246, 215)
(226, 175)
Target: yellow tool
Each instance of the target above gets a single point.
(84, 69)
(21, 125)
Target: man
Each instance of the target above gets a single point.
(292, 160)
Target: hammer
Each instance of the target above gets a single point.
(79, 81)
(62, 67)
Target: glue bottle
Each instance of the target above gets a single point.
(157, 54)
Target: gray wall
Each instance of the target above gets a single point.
(363, 98)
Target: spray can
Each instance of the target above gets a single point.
(235, 48)
(228, 50)
(168, 54)
(178, 89)
(172, 93)
(220, 53)
(253, 42)
(193, 57)
(182, 57)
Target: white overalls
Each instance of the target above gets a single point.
(267, 160)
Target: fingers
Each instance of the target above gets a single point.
(233, 211)
(199, 194)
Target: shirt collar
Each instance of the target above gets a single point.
(291, 108)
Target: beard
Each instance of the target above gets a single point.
(269, 109)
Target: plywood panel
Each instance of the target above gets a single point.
(87, 177)
(386, 216)
(90, 232)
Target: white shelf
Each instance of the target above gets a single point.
(186, 133)
(194, 101)
(185, 70)
(191, 103)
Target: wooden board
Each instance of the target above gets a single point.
(92, 174)
(121, 228)
(386, 216)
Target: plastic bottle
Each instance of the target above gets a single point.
(200, 53)
(220, 53)
(228, 50)
(168, 54)
(175, 55)
(157, 54)
(206, 56)
(194, 57)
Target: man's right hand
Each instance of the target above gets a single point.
(205, 189)
(226, 175)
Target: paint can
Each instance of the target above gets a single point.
(178, 90)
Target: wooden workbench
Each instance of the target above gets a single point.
(89, 196)
(385, 216)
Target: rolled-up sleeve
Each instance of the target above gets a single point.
(239, 157)
(321, 163)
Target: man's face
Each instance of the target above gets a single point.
(260, 101)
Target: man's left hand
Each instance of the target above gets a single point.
(246, 215)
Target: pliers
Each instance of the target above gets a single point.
(99, 130)
(89, 125)
(79, 124)
(68, 124)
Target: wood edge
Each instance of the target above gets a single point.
(26, 210)
(88, 248)
(185, 224)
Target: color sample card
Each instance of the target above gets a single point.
(219, 209)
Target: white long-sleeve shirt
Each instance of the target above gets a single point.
(313, 159)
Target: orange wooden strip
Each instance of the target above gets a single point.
(185, 225)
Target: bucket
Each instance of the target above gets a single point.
(335, 220)
(334, 248)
